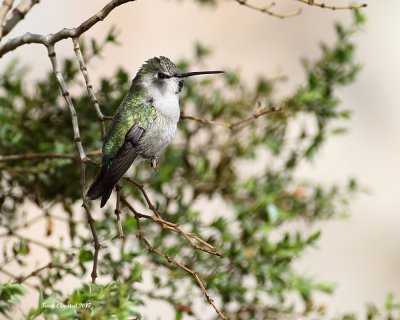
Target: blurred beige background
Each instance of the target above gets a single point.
(362, 253)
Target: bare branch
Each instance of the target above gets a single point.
(267, 10)
(169, 225)
(89, 86)
(141, 236)
(325, 6)
(175, 228)
(46, 155)
(18, 14)
(33, 156)
(52, 38)
(232, 125)
(68, 100)
(5, 7)
(91, 222)
(50, 265)
(145, 195)
(36, 272)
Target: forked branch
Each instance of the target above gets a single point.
(326, 6)
(206, 247)
(171, 260)
(233, 125)
(268, 10)
(65, 33)
(50, 265)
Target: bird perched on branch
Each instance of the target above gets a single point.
(144, 123)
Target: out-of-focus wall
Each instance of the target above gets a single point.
(361, 253)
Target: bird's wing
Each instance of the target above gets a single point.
(138, 117)
(126, 154)
(136, 113)
(110, 175)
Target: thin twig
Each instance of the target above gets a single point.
(68, 100)
(18, 14)
(65, 33)
(91, 222)
(145, 195)
(11, 275)
(325, 6)
(5, 7)
(89, 86)
(175, 228)
(267, 10)
(49, 265)
(36, 272)
(171, 226)
(46, 155)
(171, 260)
(33, 156)
(118, 211)
(232, 125)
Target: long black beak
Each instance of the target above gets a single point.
(196, 73)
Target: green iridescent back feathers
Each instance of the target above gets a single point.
(134, 109)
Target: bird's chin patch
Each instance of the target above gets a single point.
(180, 86)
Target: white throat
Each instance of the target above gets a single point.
(167, 104)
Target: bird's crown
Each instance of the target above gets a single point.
(158, 64)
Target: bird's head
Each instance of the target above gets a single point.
(160, 76)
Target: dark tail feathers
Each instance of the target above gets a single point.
(100, 188)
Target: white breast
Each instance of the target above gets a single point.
(161, 132)
(168, 106)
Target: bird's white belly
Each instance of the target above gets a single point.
(160, 133)
(157, 137)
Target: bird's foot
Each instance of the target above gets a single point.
(154, 163)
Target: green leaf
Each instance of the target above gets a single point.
(359, 16)
(85, 255)
(339, 130)
(137, 272)
(273, 213)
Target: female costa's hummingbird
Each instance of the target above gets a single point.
(144, 123)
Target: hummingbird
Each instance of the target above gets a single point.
(144, 123)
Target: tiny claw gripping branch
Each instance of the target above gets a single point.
(154, 163)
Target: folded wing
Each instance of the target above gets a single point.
(113, 172)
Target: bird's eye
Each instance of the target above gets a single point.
(161, 75)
